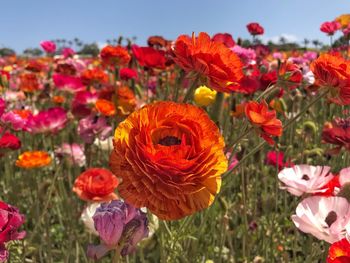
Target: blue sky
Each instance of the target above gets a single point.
(25, 23)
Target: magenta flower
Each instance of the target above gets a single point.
(83, 103)
(68, 83)
(73, 153)
(118, 223)
(48, 121)
(330, 27)
(48, 46)
(325, 218)
(127, 73)
(92, 127)
(8, 141)
(14, 121)
(68, 52)
(10, 221)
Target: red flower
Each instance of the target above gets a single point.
(268, 79)
(255, 29)
(266, 122)
(291, 73)
(332, 187)
(337, 133)
(224, 38)
(276, 159)
(339, 252)
(127, 73)
(213, 62)
(149, 57)
(330, 27)
(248, 85)
(96, 184)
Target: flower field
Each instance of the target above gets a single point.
(198, 149)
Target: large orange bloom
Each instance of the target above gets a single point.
(263, 119)
(212, 61)
(28, 82)
(170, 157)
(33, 159)
(333, 72)
(115, 55)
(96, 184)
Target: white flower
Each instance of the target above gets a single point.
(87, 215)
(323, 217)
(303, 178)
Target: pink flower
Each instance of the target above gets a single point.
(14, 120)
(68, 52)
(48, 46)
(323, 217)
(330, 27)
(93, 127)
(276, 159)
(48, 121)
(13, 96)
(10, 221)
(301, 179)
(247, 55)
(73, 153)
(69, 83)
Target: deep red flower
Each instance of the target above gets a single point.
(255, 29)
(337, 133)
(224, 38)
(127, 73)
(268, 79)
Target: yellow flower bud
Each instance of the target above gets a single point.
(203, 96)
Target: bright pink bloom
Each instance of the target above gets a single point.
(14, 120)
(330, 27)
(48, 121)
(68, 52)
(69, 83)
(2, 106)
(93, 127)
(73, 153)
(48, 46)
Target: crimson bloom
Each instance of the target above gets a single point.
(330, 27)
(10, 221)
(211, 61)
(149, 57)
(224, 38)
(338, 134)
(263, 119)
(255, 29)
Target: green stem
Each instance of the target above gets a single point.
(217, 109)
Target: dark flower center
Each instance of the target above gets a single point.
(169, 140)
(331, 218)
(344, 123)
(305, 177)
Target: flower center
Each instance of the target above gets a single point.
(305, 177)
(331, 218)
(169, 140)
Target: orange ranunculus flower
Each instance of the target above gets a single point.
(58, 99)
(170, 157)
(339, 252)
(333, 72)
(96, 184)
(105, 107)
(264, 120)
(126, 100)
(33, 159)
(344, 20)
(212, 61)
(115, 55)
(28, 82)
(95, 75)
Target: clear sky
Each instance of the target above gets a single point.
(25, 23)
